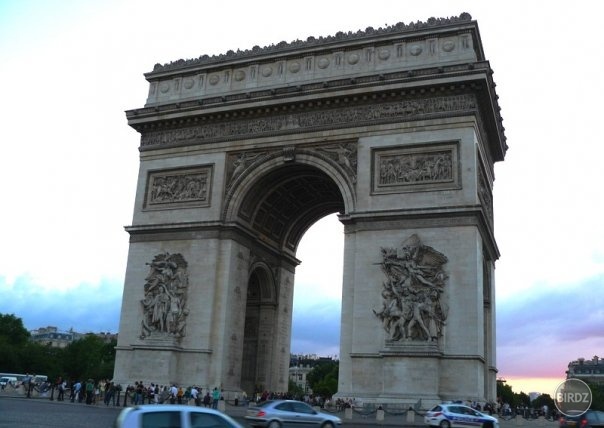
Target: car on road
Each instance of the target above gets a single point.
(173, 416)
(589, 419)
(288, 414)
(7, 380)
(458, 416)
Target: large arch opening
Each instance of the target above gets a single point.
(318, 290)
(280, 207)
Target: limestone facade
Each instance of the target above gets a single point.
(396, 130)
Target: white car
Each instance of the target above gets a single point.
(458, 416)
(173, 415)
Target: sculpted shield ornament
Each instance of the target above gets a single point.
(164, 305)
(413, 308)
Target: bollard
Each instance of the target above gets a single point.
(348, 413)
(379, 416)
(221, 405)
(411, 416)
(519, 420)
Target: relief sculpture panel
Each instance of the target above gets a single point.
(415, 168)
(177, 188)
(165, 303)
(413, 307)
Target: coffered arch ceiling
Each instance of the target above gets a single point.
(285, 202)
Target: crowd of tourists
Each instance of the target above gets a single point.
(110, 393)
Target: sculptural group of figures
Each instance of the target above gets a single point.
(413, 308)
(164, 305)
(179, 188)
(416, 168)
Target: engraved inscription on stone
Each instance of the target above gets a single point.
(410, 169)
(189, 186)
(165, 303)
(413, 308)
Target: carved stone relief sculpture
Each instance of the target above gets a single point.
(413, 308)
(345, 155)
(164, 305)
(409, 169)
(416, 168)
(181, 187)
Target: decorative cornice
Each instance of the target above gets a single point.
(308, 121)
(282, 47)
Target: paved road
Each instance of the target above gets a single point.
(43, 413)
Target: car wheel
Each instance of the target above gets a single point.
(444, 424)
(274, 424)
(327, 425)
(487, 425)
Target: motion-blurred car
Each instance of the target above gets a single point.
(589, 419)
(289, 413)
(173, 416)
(458, 416)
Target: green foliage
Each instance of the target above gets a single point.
(294, 389)
(597, 397)
(12, 331)
(323, 378)
(543, 400)
(505, 393)
(90, 357)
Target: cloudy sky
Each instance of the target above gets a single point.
(69, 162)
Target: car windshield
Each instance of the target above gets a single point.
(266, 403)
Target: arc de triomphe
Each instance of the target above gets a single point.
(395, 129)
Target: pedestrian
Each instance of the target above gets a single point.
(215, 398)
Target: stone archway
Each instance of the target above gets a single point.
(259, 327)
(396, 130)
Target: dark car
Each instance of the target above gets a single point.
(589, 419)
(174, 416)
(289, 413)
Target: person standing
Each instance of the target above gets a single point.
(89, 391)
(194, 396)
(215, 398)
(62, 386)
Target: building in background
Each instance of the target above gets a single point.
(589, 371)
(51, 336)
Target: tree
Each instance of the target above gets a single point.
(13, 337)
(294, 389)
(505, 393)
(12, 330)
(323, 378)
(90, 357)
(543, 400)
(597, 397)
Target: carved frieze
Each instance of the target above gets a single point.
(165, 303)
(357, 115)
(413, 307)
(485, 194)
(239, 162)
(178, 188)
(344, 154)
(426, 167)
